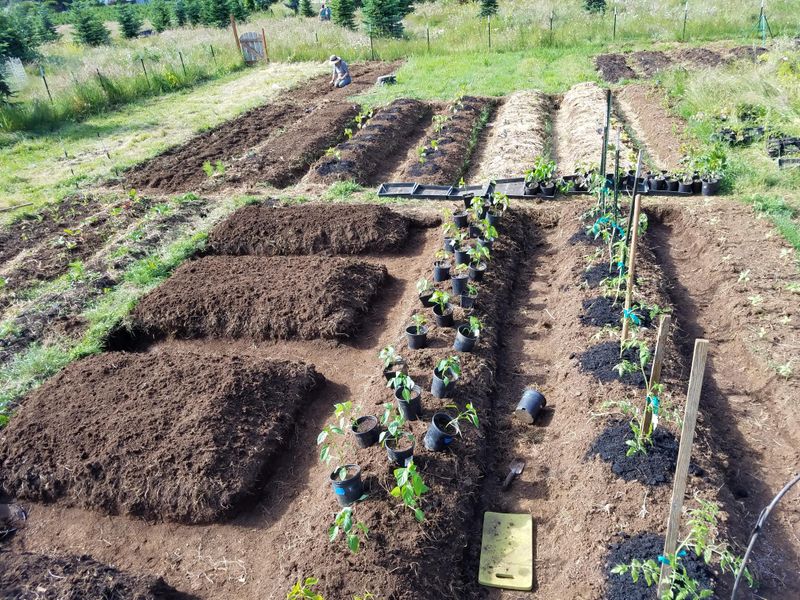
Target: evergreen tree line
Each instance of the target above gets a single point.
(23, 28)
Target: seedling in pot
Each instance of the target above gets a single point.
(419, 320)
(441, 266)
(342, 413)
(500, 203)
(410, 489)
(468, 415)
(467, 335)
(425, 290)
(402, 382)
(343, 522)
(459, 279)
(477, 208)
(391, 361)
(701, 540)
(395, 436)
(488, 231)
(417, 333)
(478, 255)
(442, 310)
(445, 374)
(468, 299)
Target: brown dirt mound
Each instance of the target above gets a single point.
(698, 57)
(745, 53)
(262, 298)
(614, 67)
(318, 229)
(289, 154)
(181, 436)
(651, 62)
(363, 157)
(445, 164)
(181, 168)
(28, 575)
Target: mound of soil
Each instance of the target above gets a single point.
(315, 229)
(289, 154)
(645, 546)
(614, 67)
(445, 164)
(601, 359)
(699, 57)
(596, 273)
(262, 298)
(364, 156)
(174, 435)
(28, 575)
(601, 311)
(651, 62)
(654, 468)
(745, 53)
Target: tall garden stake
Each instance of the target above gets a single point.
(489, 26)
(616, 183)
(47, 87)
(183, 65)
(147, 78)
(685, 18)
(684, 456)
(236, 34)
(631, 266)
(603, 157)
(266, 49)
(655, 372)
(614, 34)
(635, 191)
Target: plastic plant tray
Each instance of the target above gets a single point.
(513, 187)
(396, 189)
(433, 192)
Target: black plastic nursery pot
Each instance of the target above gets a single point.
(461, 219)
(482, 243)
(439, 389)
(400, 451)
(439, 435)
(531, 188)
(365, 430)
(411, 409)
(672, 184)
(709, 187)
(685, 187)
(425, 298)
(461, 256)
(531, 403)
(392, 370)
(448, 245)
(697, 185)
(657, 183)
(459, 283)
(443, 319)
(349, 489)
(548, 189)
(465, 341)
(476, 272)
(494, 218)
(441, 271)
(474, 231)
(417, 337)
(468, 301)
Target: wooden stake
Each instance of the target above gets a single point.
(264, 38)
(655, 372)
(637, 199)
(236, 34)
(684, 456)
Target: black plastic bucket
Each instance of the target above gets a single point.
(439, 389)
(443, 319)
(351, 488)
(462, 257)
(425, 300)
(369, 435)
(437, 438)
(476, 273)
(459, 283)
(468, 301)
(441, 272)
(416, 341)
(411, 410)
(531, 403)
(460, 219)
(401, 456)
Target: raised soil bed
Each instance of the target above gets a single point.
(27, 575)
(364, 156)
(262, 298)
(179, 436)
(317, 229)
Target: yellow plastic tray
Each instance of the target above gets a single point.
(507, 551)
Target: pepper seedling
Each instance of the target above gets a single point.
(475, 326)
(342, 413)
(478, 254)
(476, 207)
(410, 489)
(469, 415)
(394, 422)
(302, 590)
(488, 231)
(451, 365)
(389, 356)
(403, 382)
(343, 522)
(441, 299)
(419, 320)
(500, 202)
(423, 285)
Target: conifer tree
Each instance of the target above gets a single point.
(129, 21)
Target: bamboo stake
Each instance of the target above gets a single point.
(655, 372)
(684, 456)
(637, 199)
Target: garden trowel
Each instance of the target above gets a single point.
(514, 470)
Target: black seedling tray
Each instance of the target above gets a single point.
(433, 192)
(396, 189)
(513, 187)
(478, 190)
(788, 162)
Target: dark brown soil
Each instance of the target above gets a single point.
(449, 161)
(698, 57)
(30, 229)
(601, 359)
(600, 311)
(364, 157)
(746, 53)
(597, 273)
(650, 62)
(26, 575)
(645, 546)
(654, 468)
(614, 67)
(316, 229)
(289, 154)
(181, 168)
(262, 298)
(180, 436)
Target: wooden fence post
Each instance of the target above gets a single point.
(264, 39)
(655, 372)
(183, 65)
(684, 456)
(147, 78)
(236, 34)
(631, 265)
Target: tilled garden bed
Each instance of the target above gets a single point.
(366, 154)
(29, 575)
(179, 436)
(316, 229)
(446, 154)
(261, 298)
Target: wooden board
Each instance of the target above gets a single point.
(507, 551)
